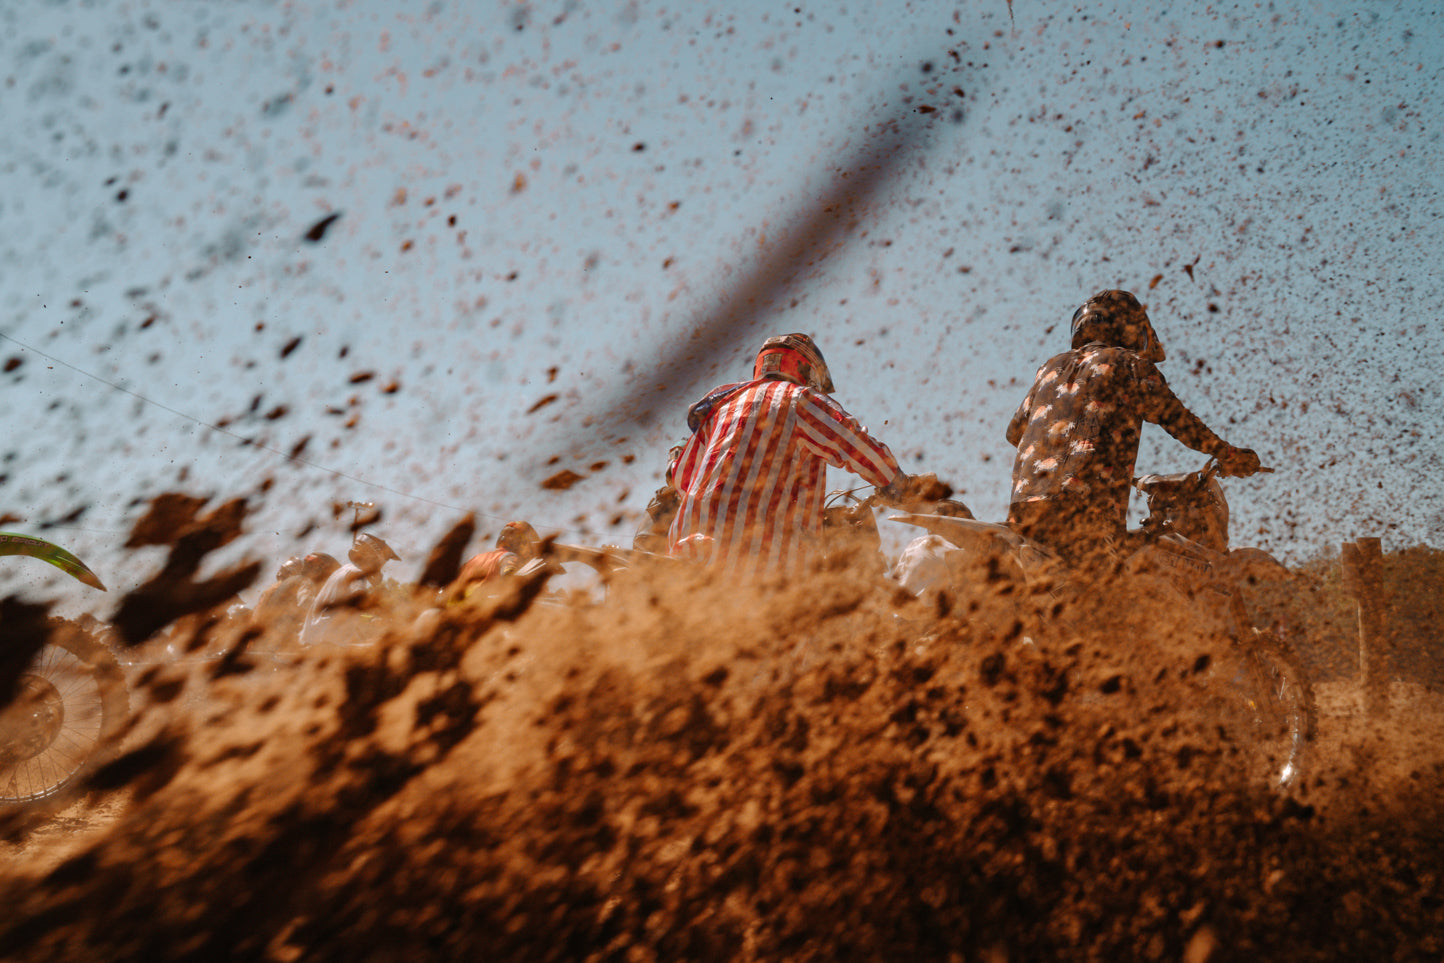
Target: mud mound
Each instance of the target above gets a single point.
(680, 773)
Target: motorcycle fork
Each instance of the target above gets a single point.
(1261, 696)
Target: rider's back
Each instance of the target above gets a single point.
(753, 475)
(1077, 432)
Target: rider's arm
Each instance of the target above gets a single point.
(833, 435)
(1165, 410)
(1019, 422)
(1161, 406)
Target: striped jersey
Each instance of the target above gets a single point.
(753, 475)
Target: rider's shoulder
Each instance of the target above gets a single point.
(704, 406)
(1113, 357)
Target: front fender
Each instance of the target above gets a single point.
(13, 544)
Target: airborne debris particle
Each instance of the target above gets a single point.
(12, 363)
(318, 230)
(542, 402)
(290, 346)
(361, 377)
(561, 481)
(446, 555)
(1154, 283)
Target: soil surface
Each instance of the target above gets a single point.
(677, 774)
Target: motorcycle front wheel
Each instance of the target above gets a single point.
(69, 707)
(1278, 706)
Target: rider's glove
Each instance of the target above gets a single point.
(895, 491)
(1238, 462)
(906, 489)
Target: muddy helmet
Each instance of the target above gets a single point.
(1116, 318)
(291, 568)
(369, 548)
(795, 358)
(519, 538)
(318, 566)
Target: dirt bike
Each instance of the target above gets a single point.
(63, 717)
(1181, 558)
(849, 532)
(849, 526)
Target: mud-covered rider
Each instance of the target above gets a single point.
(751, 479)
(516, 545)
(1078, 429)
(284, 605)
(336, 614)
(653, 533)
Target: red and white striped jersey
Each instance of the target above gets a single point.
(753, 476)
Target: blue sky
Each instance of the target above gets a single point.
(539, 203)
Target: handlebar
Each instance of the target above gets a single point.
(927, 506)
(1212, 468)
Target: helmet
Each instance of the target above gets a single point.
(368, 547)
(519, 538)
(290, 568)
(795, 358)
(318, 566)
(1116, 318)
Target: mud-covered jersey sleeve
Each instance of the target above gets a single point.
(1161, 406)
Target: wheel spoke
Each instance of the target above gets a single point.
(77, 704)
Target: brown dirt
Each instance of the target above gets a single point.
(679, 775)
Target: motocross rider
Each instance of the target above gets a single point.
(751, 478)
(517, 545)
(284, 604)
(1078, 429)
(334, 616)
(652, 535)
